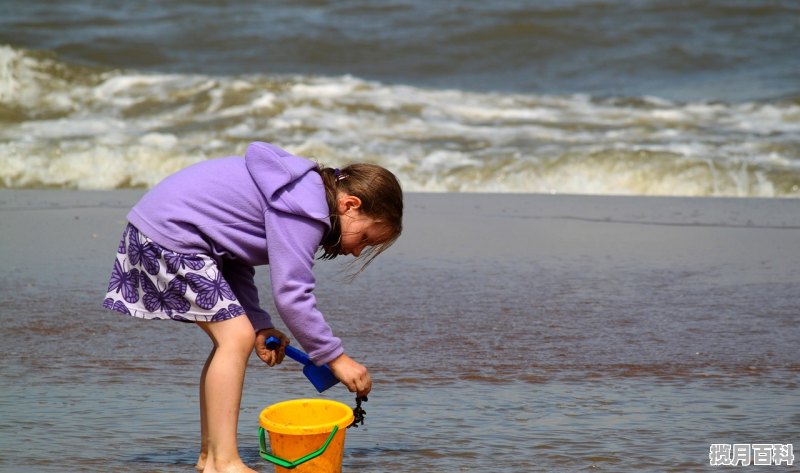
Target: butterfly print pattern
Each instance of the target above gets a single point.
(232, 311)
(148, 253)
(163, 284)
(121, 248)
(110, 303)
(209, 291)
(168, 300)
(177, 261)
(126, 282)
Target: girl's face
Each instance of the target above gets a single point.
(358, 230)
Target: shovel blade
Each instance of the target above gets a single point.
(320, 376)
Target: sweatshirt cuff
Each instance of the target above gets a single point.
(320, 359)
(260, 321)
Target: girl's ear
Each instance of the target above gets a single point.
(347, 202)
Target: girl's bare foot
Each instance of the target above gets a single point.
(233, 468)
(201, 462)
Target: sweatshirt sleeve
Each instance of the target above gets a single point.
(292, 242)
(240, 277)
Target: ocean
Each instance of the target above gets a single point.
(674, 98)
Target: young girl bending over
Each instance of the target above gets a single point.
(191, 245)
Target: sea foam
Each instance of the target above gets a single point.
(76, 127)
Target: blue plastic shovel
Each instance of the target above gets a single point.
(320, 376)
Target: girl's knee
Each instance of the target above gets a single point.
(232, 334)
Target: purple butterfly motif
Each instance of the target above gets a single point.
(118, 306)
(168, 300)
(232, 311)
(121, 248)
(125, 281)
(208, 290)
(176, 261)
(148, 253)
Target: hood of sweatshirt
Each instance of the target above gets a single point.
(288, 183)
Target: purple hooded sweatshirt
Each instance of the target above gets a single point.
(266, 208)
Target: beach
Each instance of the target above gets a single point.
(515, 332)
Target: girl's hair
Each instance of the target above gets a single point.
(381, 199)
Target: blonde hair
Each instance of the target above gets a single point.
(381, 199)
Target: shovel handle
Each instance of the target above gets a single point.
(293, 353)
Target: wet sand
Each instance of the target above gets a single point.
(555, 332)
(747, 234)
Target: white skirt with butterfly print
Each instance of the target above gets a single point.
(152, 282)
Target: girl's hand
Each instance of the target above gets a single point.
(271, 357)
(352, 374)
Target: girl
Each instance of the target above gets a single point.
(191, 245)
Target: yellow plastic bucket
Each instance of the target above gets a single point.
(306, 435)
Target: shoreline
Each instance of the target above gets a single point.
(609, 232)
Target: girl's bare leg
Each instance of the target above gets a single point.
(201, 460)
(221, 385)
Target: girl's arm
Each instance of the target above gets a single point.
(292, 243)
(240, 277)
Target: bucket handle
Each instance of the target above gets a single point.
(291, 464)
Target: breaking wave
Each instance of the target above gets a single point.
(69, 126)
